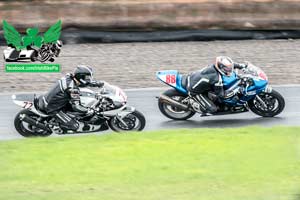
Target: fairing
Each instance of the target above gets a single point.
(171, 78)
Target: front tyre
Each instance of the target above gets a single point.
(267, 104)
(134, 121)
(26, 129)
(171, 111)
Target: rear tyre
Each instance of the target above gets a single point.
(135, 121)
(274, 104)
(26, 129)
(171, 111)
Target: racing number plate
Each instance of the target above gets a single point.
(171, 79)
(27, 104)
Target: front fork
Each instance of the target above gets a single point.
(120, 113)
(268, 89)
(123, 114)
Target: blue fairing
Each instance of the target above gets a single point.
(229, 81)
(178, 76)
(179, 85)
(258, 86)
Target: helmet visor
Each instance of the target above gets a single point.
(227, 70)
(88, 78)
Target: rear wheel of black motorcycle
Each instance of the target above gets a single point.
(274, 101)
(171, 111)
(27, 130)
(135, 121)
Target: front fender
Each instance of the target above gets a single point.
(126, 111)
(121, 112)
(268, 89)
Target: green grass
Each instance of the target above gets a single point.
(247, 163)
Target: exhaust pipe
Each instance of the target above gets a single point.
(29, 120)
(172, 102)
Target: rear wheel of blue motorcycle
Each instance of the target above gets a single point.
(274, 101)
(171, 111)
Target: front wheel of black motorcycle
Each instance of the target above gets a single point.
(134, 121)
(267, 104)
(26, 129)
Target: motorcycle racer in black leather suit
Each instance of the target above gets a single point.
(199, 83)
(66, 92)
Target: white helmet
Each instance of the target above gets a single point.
(224, 65)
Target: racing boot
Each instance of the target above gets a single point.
(205, 104)
(66, 122)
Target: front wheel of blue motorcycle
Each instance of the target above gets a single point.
(267, 104)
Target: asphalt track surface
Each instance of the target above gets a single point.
(144, 100)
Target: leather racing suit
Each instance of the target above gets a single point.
(64, 92)
(200, 82)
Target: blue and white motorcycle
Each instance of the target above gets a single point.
(252, 93)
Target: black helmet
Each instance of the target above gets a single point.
(224, 65)
(83, 74)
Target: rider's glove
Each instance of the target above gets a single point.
(96, 84)
(240, 65)
(100, 84)
(90, 112)
(238, 90)
(245, 65)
